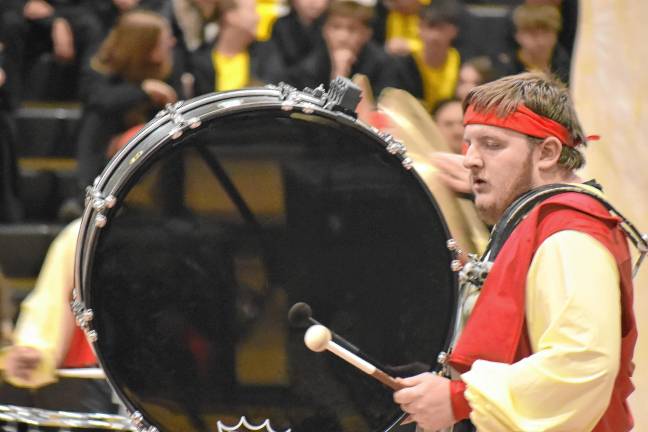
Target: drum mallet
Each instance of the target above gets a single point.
(319, 338)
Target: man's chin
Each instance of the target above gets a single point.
(486, 213)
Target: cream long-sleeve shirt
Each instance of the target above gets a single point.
(45, 322)
(573, 315)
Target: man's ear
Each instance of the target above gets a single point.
(549, 153)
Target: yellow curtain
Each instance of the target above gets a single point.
(610, 88)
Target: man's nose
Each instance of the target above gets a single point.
(472, 158)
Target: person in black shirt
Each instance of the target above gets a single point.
(346, 51)
(297, 33)
(536, 32)
(10, 209)
(65, 28)
(132, 76)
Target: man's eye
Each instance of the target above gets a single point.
(492, 144)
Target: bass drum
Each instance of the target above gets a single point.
(222, 213)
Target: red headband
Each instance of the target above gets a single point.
(522, 120)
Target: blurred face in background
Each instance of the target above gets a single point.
(537, 42)
(469, 77)
(449, 119)
(309, 10)
(163, 50)
(243, 17)
(344, 32)
(437, 36)
(137, 48)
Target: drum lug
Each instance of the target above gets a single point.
(394, 147)
(96, 199)
(137, 420)
(397, 148)
(456, 265)
(83, 316)
(474, 271)
(180, 124)
(407, 163)
(442, 362)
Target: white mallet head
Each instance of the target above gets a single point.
(317, 338)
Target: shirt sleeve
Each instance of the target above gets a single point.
(43, 313)
(573, 314)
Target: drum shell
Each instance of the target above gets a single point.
(367, 211)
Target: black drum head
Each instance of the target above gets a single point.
(215, 239)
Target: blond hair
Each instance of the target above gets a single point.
(529, 16)
(351, 9)
(543, 94)
(126, 51)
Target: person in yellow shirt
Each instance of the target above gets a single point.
(347, 50)
(235, 60)
(46, 337)
(430, 73)
(545, 330)
(397, 25)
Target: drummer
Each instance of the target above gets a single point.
(549, 344)
(40, 345)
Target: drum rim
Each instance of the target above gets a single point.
(64, 419)
(156, 134)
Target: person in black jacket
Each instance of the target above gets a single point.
(10, 209)
(65, 28)
(235, 60)
(132, 76)
(346, 51)
(299, 32)
(536, 31)
(109, 11)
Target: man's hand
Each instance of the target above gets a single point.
(426, 399)
(62, 40)
(37, 9)
(452, 172)
(342, 61)
(21, 362)
(398, 46)
(3, 77)
(159, 92)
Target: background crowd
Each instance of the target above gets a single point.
(125, 59)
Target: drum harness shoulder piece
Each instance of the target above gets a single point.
(474, 272)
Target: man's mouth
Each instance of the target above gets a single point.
(478, 183)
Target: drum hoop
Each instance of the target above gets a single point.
(64, 419)
(216, 105)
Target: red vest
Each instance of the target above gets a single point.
(80, 353)
(504, 339)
